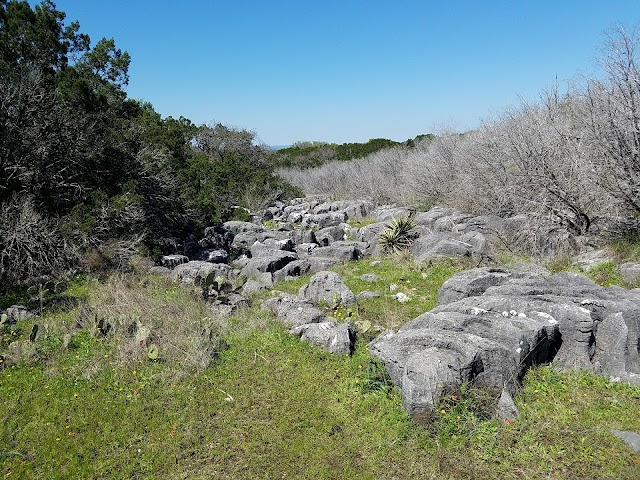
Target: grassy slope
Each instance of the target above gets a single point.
(271, 406)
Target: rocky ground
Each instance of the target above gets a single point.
(491, 324)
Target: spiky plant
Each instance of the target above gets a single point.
(398, 235)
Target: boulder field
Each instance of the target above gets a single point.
(490, 324)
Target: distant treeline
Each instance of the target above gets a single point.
(315, 154)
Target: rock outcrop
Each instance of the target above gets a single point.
(491, 325)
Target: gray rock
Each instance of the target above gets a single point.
(269, 245)
(475, 282)
(293, 311)
(506, 408)
(491, 325)
(333, 337)
(630, 272)
(17, 313)
(324, 220)
(268, 262)
(328, 235)
(172, 261)
(327, 287)
(359, 209)
(214, 256)
(200, 273)
(449, 223)
(388, 213)
(302, 236)
(306, 248)
(370, 233)
(237, 301)
(319, 264)
(296, 268)
(449, 244)
(342, 251)
(217, 238)
(428, 219)
(237, 227)
(369, 277)
(631, 439)
(242, 241)
(425, 361)
(252, 286)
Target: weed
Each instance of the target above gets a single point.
(605, 274)
(375, 377)
(559, 263)
(626, 249)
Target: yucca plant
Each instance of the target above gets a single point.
(398, 235)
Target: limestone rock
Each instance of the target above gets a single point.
(337, 338)
(327, 287)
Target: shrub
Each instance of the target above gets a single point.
(398, 235)
(30, 244)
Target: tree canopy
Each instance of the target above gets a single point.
(100, 172)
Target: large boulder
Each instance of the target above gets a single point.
(216, 238)
(243, 241)
(450, 244)
(438, 352)
(341, 251)
(324, 220)
(428, 219)
(200, 273)
(387, 213)
(293, 311)
(491, 325)
(297, 268)
(327, 287)
(268, 262)
(474, 282)
(237, 227)
(333, 337)
(328, 235)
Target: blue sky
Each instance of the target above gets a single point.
(349, 70)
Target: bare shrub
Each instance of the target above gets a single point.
(256, 198)
(612, 119)
(30, 244)
(380, 177)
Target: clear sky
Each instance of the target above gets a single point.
(349, 70)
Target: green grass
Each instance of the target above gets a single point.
(419, 282)
(274, 407)
(360, 222)
(626, 249)
(271, 406)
